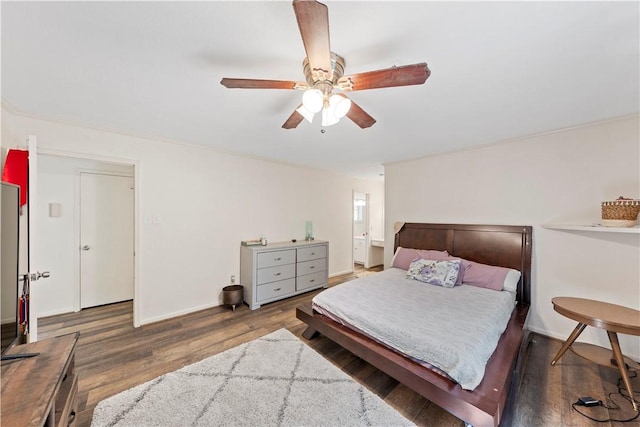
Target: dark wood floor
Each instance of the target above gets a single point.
(112, 356)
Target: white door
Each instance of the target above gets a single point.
(106, 239)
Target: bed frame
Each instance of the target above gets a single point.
(491, 403)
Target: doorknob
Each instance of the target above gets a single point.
(85, 248)
(32, 277)
(43, 275)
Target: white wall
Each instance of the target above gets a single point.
(6, 129)
(206, 202)
(558, 177)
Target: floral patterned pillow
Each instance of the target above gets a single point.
(441, 273)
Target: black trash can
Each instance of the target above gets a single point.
(232, 295)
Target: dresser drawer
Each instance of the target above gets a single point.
(276, 289)
(271, 259)
(66, 411)
(312, 252)
(311, 280)
(273, 274)
(309, 267)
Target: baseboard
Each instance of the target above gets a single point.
(340, 273)
(562, 338)
(57, 312)
(177, 313)
(546, 333)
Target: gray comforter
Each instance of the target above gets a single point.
(454, 329)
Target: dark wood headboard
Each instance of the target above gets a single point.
(502, 245)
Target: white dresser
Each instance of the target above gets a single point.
(280, 270)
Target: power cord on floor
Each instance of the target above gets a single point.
(591, 402)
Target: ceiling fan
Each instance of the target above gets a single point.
(324, 74)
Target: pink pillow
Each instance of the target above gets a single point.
(404, 256)
(483, 275)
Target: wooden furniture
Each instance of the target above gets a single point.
(611, 317)
(41, 390)
(279, 270)
(491, 402)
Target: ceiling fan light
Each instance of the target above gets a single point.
(313, 99)
(328, 117)
(308, 115)
(340, 105)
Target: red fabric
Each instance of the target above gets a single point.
(16, 171)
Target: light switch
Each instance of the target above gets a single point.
(55, 210)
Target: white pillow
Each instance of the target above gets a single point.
(511, 281)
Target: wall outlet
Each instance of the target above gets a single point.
(233, 279)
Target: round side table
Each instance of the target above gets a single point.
(610, 317)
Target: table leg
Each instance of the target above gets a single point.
(617, 353)
(574, 335)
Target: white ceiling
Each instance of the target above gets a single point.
(500, 70)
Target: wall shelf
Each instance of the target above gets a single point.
(594, 227)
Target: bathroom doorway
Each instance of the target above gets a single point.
(360, 229)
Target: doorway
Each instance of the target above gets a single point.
(62, 179)
(360, 236)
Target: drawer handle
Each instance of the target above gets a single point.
(313, 253)
(277, 259)
(312, 280)
(312, 266)
(277, 289)
(277, 274)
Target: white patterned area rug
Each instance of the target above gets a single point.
(276, 380)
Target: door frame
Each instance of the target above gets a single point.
(136, 218)
(32, 238)
(78, 226)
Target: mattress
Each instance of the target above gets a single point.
(456, 330)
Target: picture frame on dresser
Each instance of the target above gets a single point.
(275, 271)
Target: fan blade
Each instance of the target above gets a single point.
(261, 84)
(406, 75)
(359, 116)
(313, 21)
(294, 120)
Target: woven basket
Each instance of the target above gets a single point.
(621, 212)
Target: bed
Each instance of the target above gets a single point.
(490, 402)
